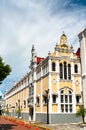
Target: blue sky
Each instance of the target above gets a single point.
(38, 22)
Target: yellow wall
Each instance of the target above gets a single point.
(44, 87)
(38, 93)
(44, 84)
(44, 109)
(64, 54)
(54, 108)
(65, 84)
(22, 95)
(54, 83)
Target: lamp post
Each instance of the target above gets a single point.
(47, 95)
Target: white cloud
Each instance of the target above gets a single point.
(24, 23)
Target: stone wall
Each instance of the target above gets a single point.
(58, 118)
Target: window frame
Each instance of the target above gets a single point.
(65, 101)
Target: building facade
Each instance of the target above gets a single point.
(2, 103)
(52, 88)
(82, 39)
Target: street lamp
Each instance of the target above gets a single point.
(47, 96)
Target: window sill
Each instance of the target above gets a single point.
(65, 80)
(54, 103)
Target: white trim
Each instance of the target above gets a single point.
(74, 96)
(41, 92)
(49, 65)
(50, 91)
(57, 66)
(34, 109)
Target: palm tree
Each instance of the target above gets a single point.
(81, 112)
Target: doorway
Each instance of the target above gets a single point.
(31, 113)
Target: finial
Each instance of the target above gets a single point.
(49, 53)
(63, 32)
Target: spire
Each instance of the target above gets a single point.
(33, 57)
(33, 51)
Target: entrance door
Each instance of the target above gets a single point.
(31, 113)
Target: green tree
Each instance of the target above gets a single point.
(5, 70)
(81, 112)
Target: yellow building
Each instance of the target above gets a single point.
(52, 91)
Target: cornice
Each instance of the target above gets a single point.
(66, 50)
(82, 34)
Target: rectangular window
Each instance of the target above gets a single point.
(66, 108)
(65, 70)
(70, 98)
(61, 71)
(77, 99)
(62, 98)
(54, 98)
(62, 108)
(70, 108)
(53, 66)
(75, 68)
(66, 99)
(45, 70)
(31, 90)
(69, 71)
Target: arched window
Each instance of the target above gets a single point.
(65, 70)
(69, 71)
(53, 66)
(75, 68)
(61, 70)
(66, 101)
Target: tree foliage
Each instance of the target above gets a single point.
(81, 112)
(5, 70)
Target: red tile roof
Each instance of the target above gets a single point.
(39, 59)
(78, 52)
